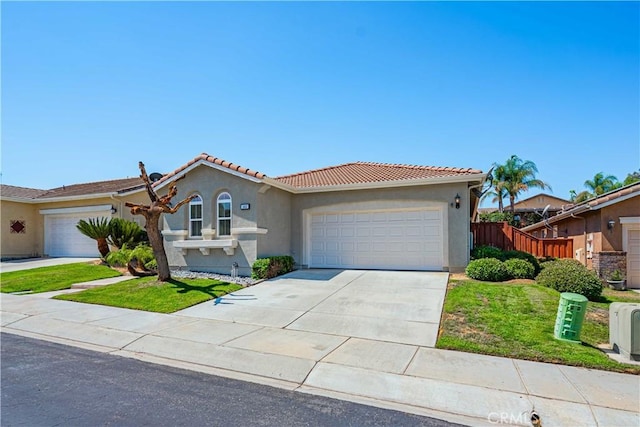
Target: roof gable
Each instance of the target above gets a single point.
(370, 173)
(215, 162)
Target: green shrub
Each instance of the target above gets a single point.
(568, 275)
(525, 256)
(266, 268)
(487, 269)
(485, 251)
(520, 268)
(141, 255)
(123, 232)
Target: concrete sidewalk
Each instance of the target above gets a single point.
(459, 387)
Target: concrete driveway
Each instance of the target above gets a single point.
(29, 263)
(395, 306)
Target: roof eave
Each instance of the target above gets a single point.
(60, 199)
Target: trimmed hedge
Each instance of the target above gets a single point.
(267, 268)
(485, 251)
(525, 256)
(568, 275)
(520, 268)
(487, 269)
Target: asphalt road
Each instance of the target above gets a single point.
(48, 384)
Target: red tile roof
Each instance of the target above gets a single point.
(215, 160)
(367, 172)
(345, 174)
(86, 189)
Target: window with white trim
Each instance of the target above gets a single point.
(224, 214)
(195, 217)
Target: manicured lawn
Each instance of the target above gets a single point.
(53, 278)
(517, 320)
(150, 295)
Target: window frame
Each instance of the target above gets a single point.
(223, 197)
(196, 201)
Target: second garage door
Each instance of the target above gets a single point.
(62, 238)
(408, 239)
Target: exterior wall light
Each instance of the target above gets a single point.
(113, 210)
(611, 223)
(457, 201)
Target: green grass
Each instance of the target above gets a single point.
(517, 320)
(53, 278)
(150, 295)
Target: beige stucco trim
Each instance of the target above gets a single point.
(204, 246)
(248, 230)
(74, 210)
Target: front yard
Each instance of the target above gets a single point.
(150, 295)
(516, 319)
(53, 278)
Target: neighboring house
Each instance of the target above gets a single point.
(355, 215)
(531, 209)
(605, 232)
(538, 203)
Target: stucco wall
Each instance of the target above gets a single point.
(274, 215)
(457, 221)
(20, 245)
(612, 238)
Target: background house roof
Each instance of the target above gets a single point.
(86, 189)
(20, 192)
(366, 172)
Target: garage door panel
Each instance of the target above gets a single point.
(62, 238)
(395, 239)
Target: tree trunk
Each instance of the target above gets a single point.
(103, 247)
(512, 203)
(152, 214)
(157, 244)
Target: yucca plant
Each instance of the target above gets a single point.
(98, 230)
(124, 232)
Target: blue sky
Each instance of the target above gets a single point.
(91, 88)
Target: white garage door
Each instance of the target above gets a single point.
(410, 239)
(62, 238)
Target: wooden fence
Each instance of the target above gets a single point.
(506, 237)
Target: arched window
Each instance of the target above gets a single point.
(224, 214)
(195, 217)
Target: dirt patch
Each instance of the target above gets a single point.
(597, 314)
(455, 324)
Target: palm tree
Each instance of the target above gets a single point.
(498, 191)
(519, 176)
(97, 229)
(601, 184)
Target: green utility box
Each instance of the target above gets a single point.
(571, 311)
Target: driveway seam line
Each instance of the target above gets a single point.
(323, 300)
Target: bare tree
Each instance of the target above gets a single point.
(152, 214)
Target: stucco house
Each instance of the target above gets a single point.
(354, 215)
(605, 232)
